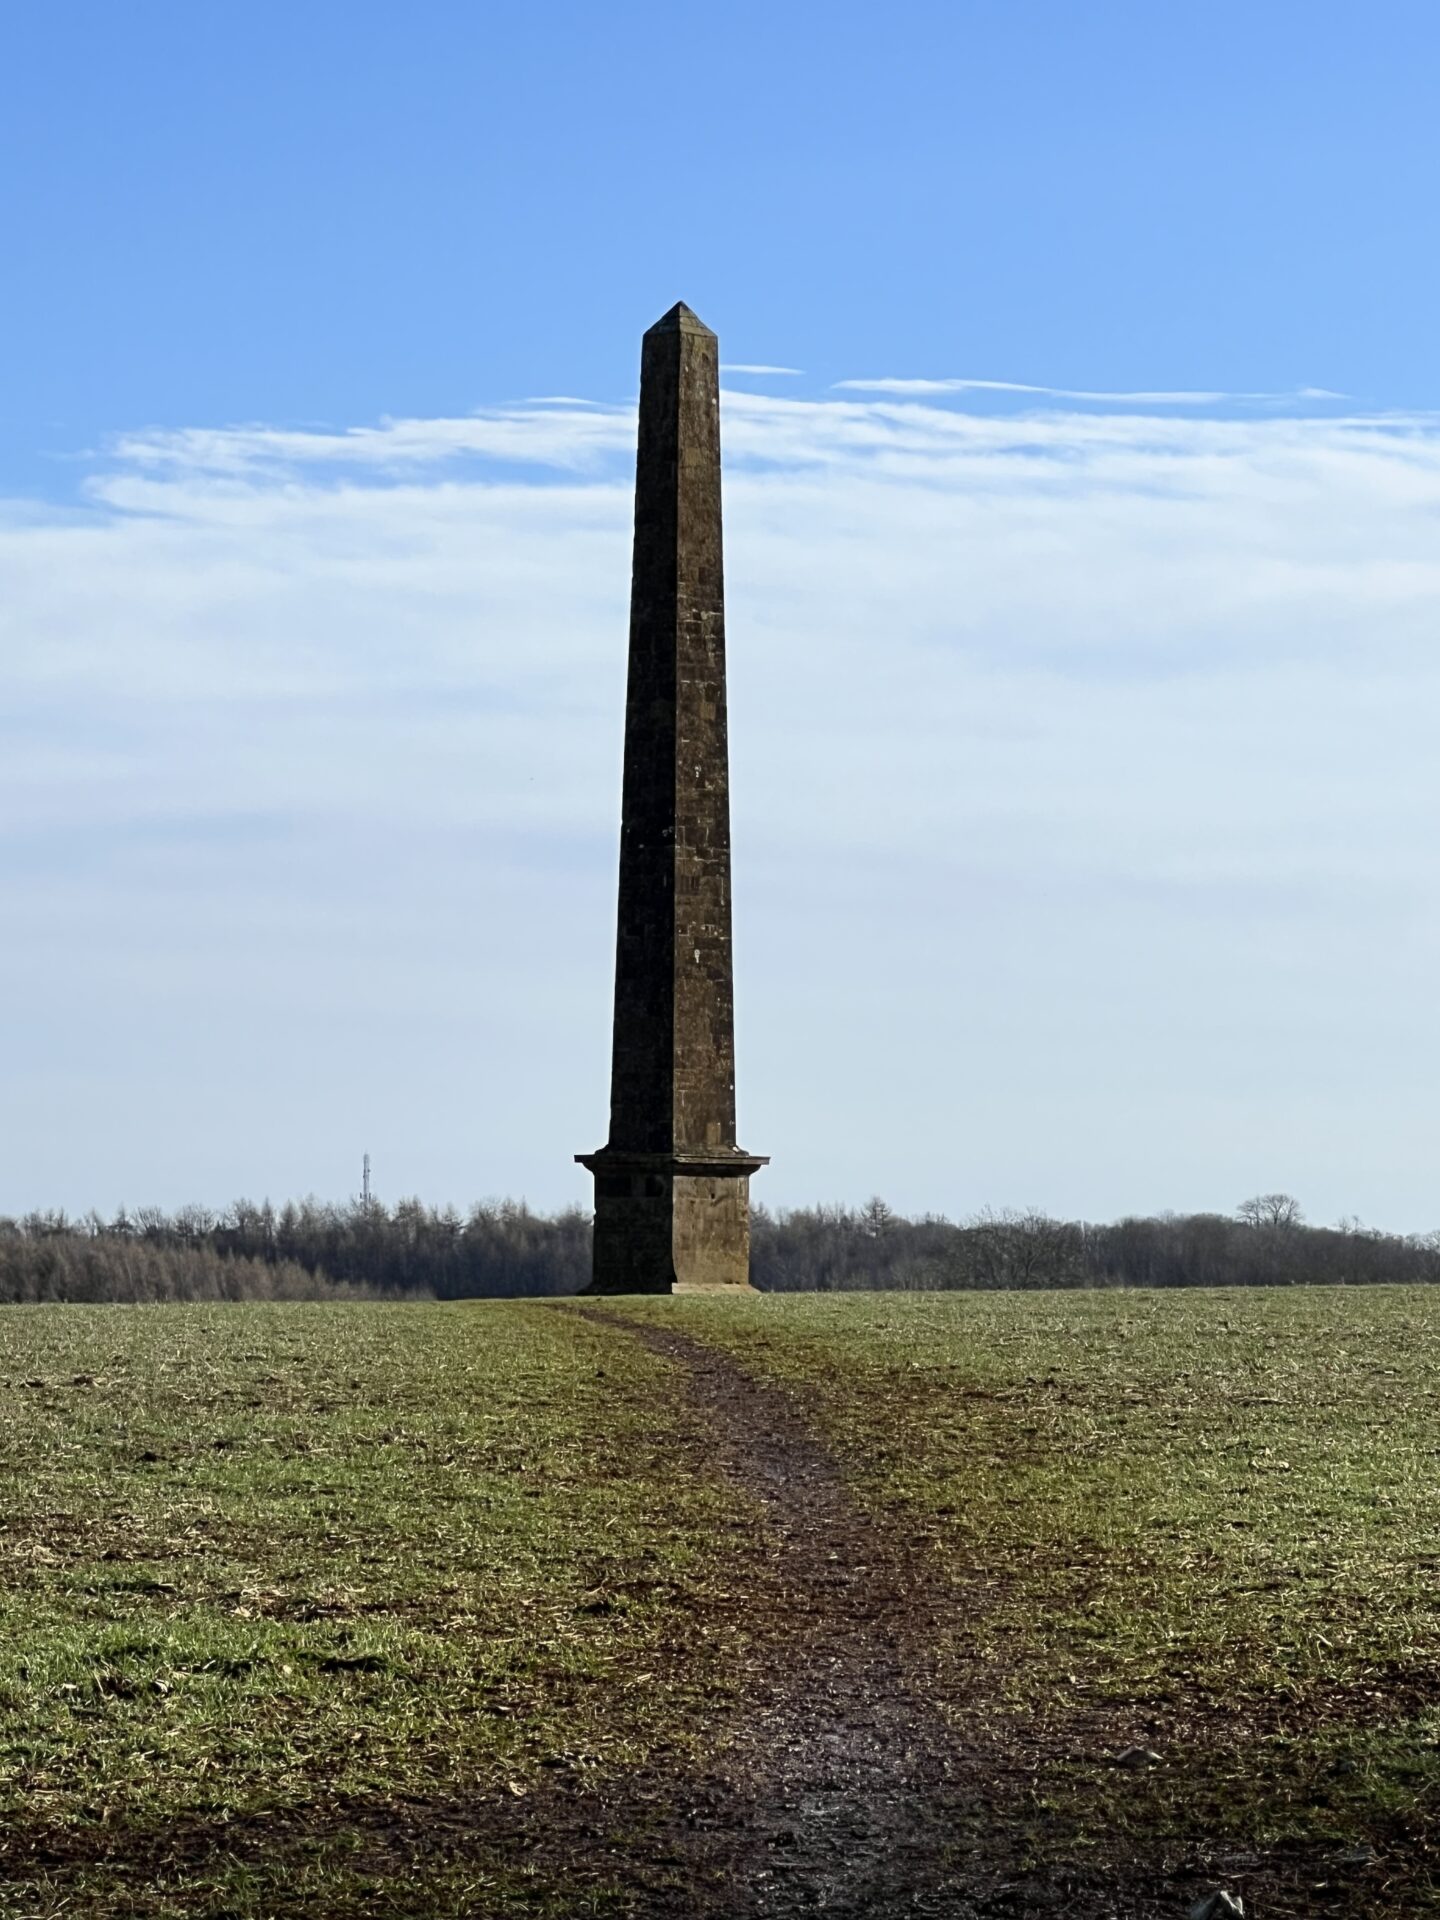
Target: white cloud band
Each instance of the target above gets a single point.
(1083, 775)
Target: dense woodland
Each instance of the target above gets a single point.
(315, 1251)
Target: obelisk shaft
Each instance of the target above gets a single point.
(672, 1204)
(673, 1075)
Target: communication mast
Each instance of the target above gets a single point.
(365, 1185)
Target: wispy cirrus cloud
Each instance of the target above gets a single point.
(745, 366)
(1183, 397)
(1083, 781)
(904, 433)
(557, 432)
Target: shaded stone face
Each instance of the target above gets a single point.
(671, 1186)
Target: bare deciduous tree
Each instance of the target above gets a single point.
(1271, 1210)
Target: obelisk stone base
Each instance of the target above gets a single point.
(664, 1225)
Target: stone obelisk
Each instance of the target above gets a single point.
(672, 1189)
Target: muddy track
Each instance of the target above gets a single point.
(836, 1789)
(840, 1788)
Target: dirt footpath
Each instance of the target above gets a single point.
(833, 1791)
(840, 1788)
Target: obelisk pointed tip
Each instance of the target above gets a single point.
(681, 320)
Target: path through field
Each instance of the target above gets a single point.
(840, 1789)
(833, 1791)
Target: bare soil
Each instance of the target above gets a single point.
(834, 1792)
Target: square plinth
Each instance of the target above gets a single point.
(667, 1226)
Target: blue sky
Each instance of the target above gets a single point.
(1083, 579)
(332, 211)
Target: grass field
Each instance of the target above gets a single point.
(289, 1590)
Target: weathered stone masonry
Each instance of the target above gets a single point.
(671, 1186)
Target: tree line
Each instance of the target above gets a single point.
(1265, 1242)
(304, 1250)
(76, 1268)
(311, 1250)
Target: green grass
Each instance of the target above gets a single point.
(269, 1561)
(278, 1569)
(1204, 1523)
